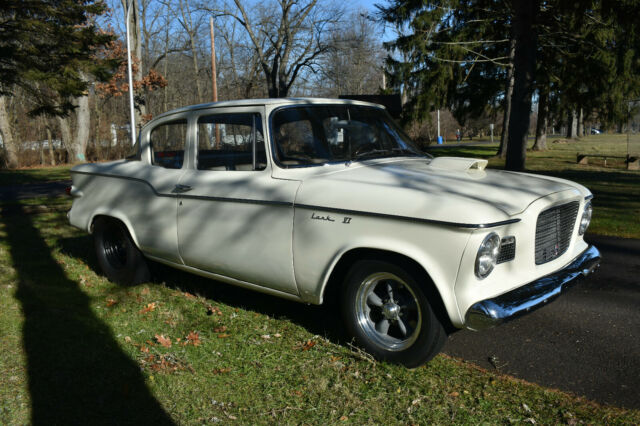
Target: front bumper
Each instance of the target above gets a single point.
(491, 312)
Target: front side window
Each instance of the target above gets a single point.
(231, 142)
(167, 144)
(313, 135)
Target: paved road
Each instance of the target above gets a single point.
(586, 342)
(33, 190)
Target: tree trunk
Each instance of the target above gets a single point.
(83, 126)
(543, 117)
(504, 137)
(581, 123)
(67, 139)
(136, 58)
(41, 152)
(97, 142)
(524, 69)
(572, 125)
(52, 157)
(10, 148)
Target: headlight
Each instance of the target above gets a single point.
(487, 255)
(586, 218)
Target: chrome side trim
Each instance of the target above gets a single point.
(177, 194)
(408, 218)
(491, 312)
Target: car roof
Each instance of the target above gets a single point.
(268, 102)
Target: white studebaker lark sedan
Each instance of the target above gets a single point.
(311, 198)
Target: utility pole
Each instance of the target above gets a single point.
(129, 4)
(213, 62)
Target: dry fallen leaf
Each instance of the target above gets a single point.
(189, 295)
(223, 335)
(454, 394)
(220, 329)
(194, 338)
(164, 341)
(111, 302)
(145, 291)
(127, 339)
(308, 345)
(144, 349)
(150, 307)
(221, 370)
(213, 310)
(344, 418)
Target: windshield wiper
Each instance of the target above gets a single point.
(393, 152)
(370, 153)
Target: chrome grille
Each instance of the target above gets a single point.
(553, 231)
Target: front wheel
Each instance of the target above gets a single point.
(120, 259)
(387, 312)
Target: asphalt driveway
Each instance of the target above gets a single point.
(33, 190)
(586, 342)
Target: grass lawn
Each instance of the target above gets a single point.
(616, 190)
(77, 349)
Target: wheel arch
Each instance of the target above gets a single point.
(334, 282)
(114, 216)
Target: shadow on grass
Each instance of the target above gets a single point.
(322, 320)
(77, 374)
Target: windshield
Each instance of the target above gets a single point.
(315, 135)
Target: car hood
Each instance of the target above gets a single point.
(445, 189)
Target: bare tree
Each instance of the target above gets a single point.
(287, 39)
(191, 22)
(354, 65)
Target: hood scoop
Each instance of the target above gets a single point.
(458, 164)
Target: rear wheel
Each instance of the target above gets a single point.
(118, 256)
(387, 312)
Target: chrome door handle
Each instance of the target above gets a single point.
(179, 189)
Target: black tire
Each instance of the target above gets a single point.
(120, 259)
(386, 310)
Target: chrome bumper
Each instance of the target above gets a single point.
(495, 311)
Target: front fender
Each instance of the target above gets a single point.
(318, 247)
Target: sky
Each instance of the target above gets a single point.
(369, 5)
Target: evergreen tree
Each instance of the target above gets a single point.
(46, 46)
(584, 54)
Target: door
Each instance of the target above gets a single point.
(234, 219)
(149, 197)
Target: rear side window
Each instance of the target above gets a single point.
(231, 142)
(167, 144)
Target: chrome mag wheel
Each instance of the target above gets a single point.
(388, 311)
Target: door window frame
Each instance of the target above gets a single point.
(253, 110)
